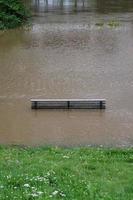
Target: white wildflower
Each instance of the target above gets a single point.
(39, 192)
(26, 185)
(55, 192)
(1, 186)
(65, 156)
(8, 177)
(62, 194)
(38, 178)
(17, 161)
(34, 195)
(48, 173)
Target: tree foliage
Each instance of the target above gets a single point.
(12, 13)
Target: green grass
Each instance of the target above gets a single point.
(72, 174)
(111, 24)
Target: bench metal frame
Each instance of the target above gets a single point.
(68, 103)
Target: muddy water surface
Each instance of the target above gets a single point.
(66, 54)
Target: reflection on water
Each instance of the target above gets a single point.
(66, 55)
(102, 6)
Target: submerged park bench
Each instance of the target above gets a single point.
(68, 103)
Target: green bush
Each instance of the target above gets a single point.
(12, 14)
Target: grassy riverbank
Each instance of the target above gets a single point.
(72, 174)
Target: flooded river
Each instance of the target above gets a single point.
(69, 52)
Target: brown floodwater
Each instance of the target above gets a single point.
(68, 52)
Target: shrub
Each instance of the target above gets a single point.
(12, 13)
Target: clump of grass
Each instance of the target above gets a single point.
(100, 24)
(57, 173)
(113, 24)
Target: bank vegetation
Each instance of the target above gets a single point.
(12, 14)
